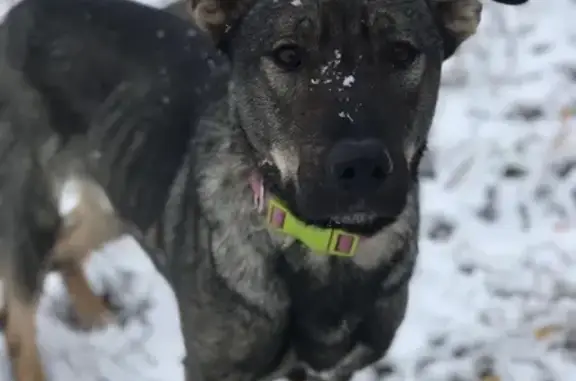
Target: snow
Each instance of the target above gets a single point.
(494, 294)
(484, 297)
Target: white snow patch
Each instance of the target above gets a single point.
(70, 197)
(348, 81)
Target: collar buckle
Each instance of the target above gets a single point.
(343, 244)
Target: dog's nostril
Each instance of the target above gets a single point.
(378, 173)
(348, 174)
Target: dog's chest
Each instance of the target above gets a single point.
(328, 311)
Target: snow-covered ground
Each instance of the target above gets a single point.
(495, 291)
(494, 297)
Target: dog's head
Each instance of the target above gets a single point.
(336, 97)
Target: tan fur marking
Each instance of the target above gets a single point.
(86, 228)
(215, 16)
(91, 310)
(20, 333)
(463, 17)
(208, 16)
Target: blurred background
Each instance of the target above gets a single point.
(494, 296)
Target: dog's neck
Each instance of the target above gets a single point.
(223, 169)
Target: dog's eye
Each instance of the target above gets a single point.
(401, 55)
(289, 56)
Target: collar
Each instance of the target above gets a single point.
(324, 241)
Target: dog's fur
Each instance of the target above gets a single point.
(256, 304)
(137, 113)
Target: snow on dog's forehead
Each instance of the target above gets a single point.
(333, 75)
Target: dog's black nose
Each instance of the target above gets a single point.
(359, 165)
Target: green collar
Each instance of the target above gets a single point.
(324, 241)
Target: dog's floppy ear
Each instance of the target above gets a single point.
(458, 20)
(217, 16)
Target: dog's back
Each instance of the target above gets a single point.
(133, 78)
(76, 52)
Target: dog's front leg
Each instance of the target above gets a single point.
(20, 333)
(361, 356)
(375, 336)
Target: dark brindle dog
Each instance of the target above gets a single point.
(126, 77)
(304, 171)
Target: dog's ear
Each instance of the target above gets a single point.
(458, 20)
(217, 16)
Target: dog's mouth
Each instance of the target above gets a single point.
(353, 219)
(364, 223)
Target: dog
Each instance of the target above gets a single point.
(48, 117)
(290, 218)
(310, 183)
